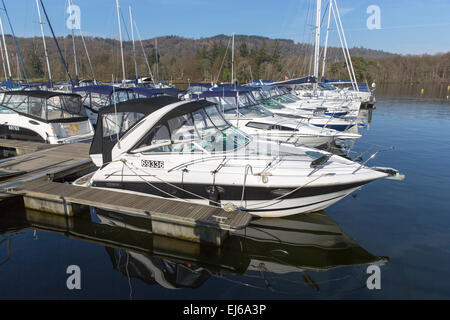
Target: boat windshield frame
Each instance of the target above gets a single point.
(247, 104)
(204, 130)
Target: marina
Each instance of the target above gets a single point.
(405, 238)
(272, 171)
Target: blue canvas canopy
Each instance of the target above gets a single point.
(174, 92)
(215, 93)
(260, 82)
(36, 84)
(232, 87)
(308, 79)
(7, 84)
(100, 89)
(200, 84)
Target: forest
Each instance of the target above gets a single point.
(181, 60)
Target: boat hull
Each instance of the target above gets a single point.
(258, 201)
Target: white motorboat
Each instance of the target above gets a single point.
(186, 150)
(243, 111)
(44, 116)
(313, 116)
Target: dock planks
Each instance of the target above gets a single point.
(24, 147)
(40, 163)
(156, 208)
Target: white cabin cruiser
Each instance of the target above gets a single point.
(44, 116)
(315, 116)
(310, 106)
(243, 111)
(186, 150)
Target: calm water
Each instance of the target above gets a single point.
(401, 226)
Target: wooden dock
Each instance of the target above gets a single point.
(23, 147)
(31, 166)
(34, 176)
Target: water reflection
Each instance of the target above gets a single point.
(278, 255)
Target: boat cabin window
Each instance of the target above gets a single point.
(100, 100)
(64, 107)
(53, 108)
(119, 124)
(97, 101)
(121, 96)
(204, 130)
(4, 110)
(16, 102)
(36, 107)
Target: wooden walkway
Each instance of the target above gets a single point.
(153, 207)
(34, 175)
(41, 163)
(24, 147)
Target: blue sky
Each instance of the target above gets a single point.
(407, 26)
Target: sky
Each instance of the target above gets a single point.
(399, 26)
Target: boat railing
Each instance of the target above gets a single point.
(373, 150)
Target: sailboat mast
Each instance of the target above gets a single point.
(121, 44)
(144, 54)
(317, 45)
(3, 63)
(346, 46)
(6, 49)
(88, 57)
(232, 61)
(74, 49)
(56, 43)
(19, 74)
(45, 45)
(326, 39)
(134, 46)
(15, 41)
(157, 60)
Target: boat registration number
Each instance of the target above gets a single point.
(13, 128)
(152, 164)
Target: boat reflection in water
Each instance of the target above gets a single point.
(282, 255)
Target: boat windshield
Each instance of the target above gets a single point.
(260, 95)
(98, 101)
(204, 131)
(272, 104)
(286, 94)
(246, 100)
(64, 107)
(248, 107)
